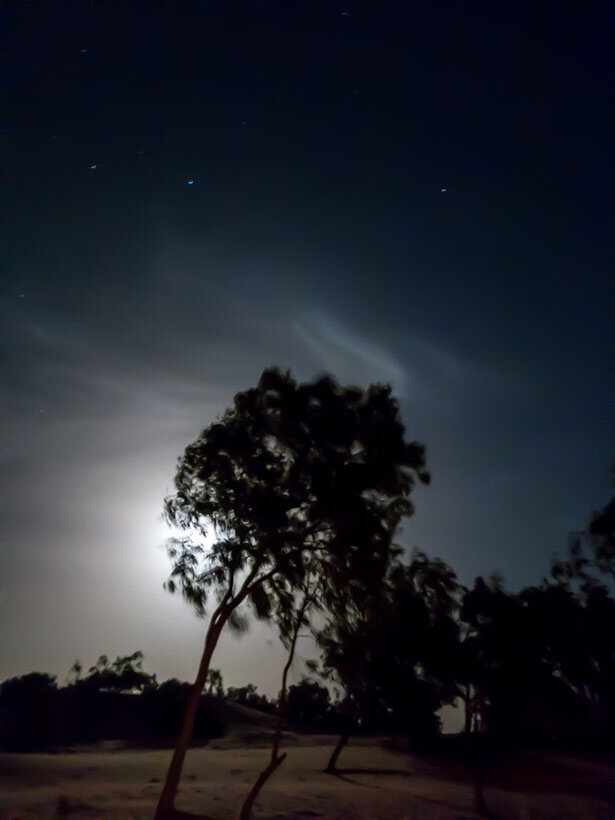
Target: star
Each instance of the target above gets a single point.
(93, 167)
(190, 182)
(443, 190)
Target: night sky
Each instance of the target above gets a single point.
(409, 192)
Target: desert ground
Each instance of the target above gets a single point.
(111, 782)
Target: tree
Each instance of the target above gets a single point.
(289, 624)
(591, 550)
(397, 661)
(214, 684)
(248, 696)
(125, 674)
(74, 673)
(28, 705)
(523, 651)
(292, 477)
(588, 662)
(308, 704)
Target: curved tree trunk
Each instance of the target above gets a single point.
(336, 752)
(164, 809)
(276, 759)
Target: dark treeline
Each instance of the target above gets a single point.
(109, 703)
(39, 715)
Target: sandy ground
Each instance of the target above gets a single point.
(385, 785)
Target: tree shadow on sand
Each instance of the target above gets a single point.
(342, 774)
(68, 809)
(403, 772)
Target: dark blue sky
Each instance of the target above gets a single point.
(316, 235)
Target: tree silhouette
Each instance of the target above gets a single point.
(591, 550)
(308, 704)
(248, 696)
(74, 673)
(293, 477)
(214, 683)
(29, 706)
(545, 644)
(587, 653)
(397, 661)
(125, 674)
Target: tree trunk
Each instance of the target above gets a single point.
(336, 753)
(246, 810)
(468, 718)
(479, 797)
(469, 712)
(276, 759)
(164, 810)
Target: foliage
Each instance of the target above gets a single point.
(291, 472)
(308, 704)
(27, 710)
(541, 644)
(125, 674)
(214, 684)
(248, 696)
(396, 662)
(592, 552)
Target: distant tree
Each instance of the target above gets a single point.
(123, 675)
(214, 684)
(546, 643)
(248, 696)
(242, 694)
(588, 579)
(74, 673)
(290, 474)
(28, 706)
(308, 704)
(101, 665)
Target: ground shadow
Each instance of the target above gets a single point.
(404, 772)
(342, 774)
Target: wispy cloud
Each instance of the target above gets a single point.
(346, 353)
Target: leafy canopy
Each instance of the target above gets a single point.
(297, 481)
(398, 657)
